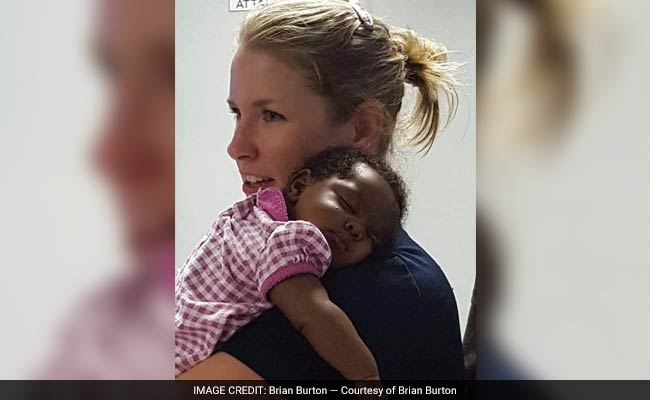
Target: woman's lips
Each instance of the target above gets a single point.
(253, 183)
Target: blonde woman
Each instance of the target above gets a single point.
(308, 75)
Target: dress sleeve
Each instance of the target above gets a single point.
(294, 248)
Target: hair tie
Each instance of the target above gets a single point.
(364, 16)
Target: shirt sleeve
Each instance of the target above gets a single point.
(294, 248)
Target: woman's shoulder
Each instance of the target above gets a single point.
(427, 273)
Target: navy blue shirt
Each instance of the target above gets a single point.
(402, 306)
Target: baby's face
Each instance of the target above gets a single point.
(355, 215)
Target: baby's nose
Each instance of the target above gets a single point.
(355, 228)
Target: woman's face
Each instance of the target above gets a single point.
(280, 120)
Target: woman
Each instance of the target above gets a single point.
(308, 75)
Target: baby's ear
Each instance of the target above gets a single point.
(297, 184)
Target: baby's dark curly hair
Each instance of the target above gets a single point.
(339, 160)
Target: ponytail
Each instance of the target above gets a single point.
(427, 69)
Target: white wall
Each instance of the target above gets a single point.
(571, 211)
(442, 217)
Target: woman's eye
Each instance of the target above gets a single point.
(271, 116)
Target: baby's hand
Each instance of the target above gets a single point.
(373, 384)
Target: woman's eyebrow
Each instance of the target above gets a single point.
(262, 102)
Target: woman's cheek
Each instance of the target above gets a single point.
(280, 183)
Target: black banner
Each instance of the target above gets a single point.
(162, 390)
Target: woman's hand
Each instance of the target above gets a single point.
(220, 366)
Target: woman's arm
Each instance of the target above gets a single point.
(220, 366)
(305, 302)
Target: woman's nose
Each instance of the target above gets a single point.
(355, 228)
(242, 144)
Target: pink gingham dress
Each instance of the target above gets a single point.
(224, 283)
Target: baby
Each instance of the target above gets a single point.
(271, 249)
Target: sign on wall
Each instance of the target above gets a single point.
(245, 5)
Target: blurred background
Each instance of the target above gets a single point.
(442, 183)
(563, 190)
(50, 105)
(87, 183)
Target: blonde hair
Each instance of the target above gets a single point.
(348, 60)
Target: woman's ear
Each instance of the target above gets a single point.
(297, 184)
(369, 125)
